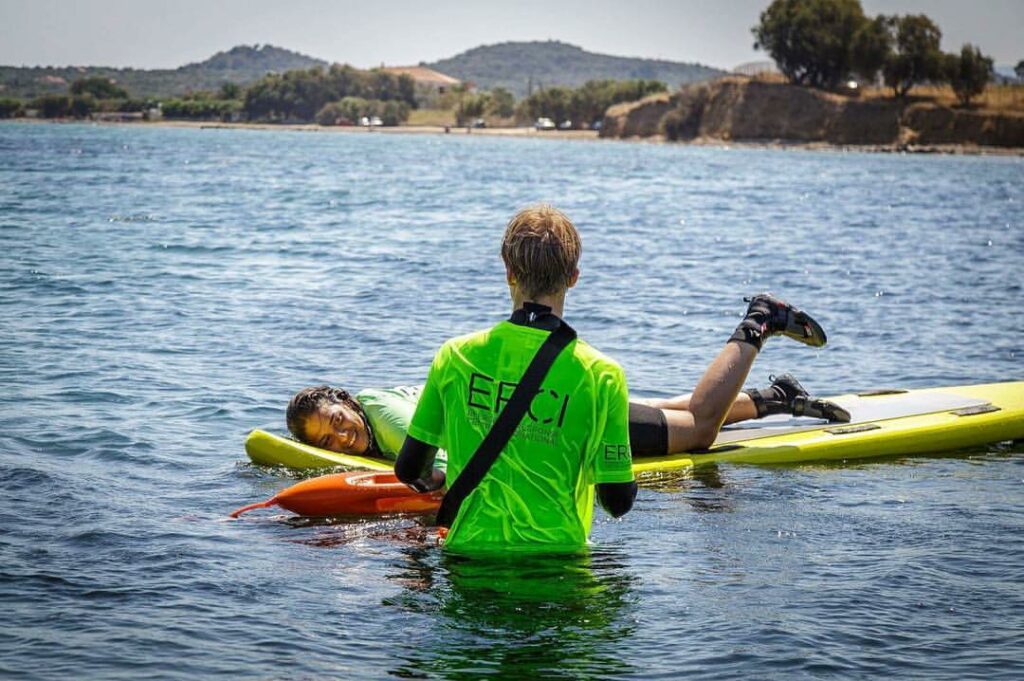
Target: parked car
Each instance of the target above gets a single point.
(376, 122)
(565, 125)
(544, 124)
(479, 123)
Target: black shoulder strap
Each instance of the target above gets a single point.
(505, 425)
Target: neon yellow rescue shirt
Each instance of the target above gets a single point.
(539, 494)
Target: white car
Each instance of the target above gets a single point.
(544, 124)
(376, 122)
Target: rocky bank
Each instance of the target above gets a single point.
(741, 109)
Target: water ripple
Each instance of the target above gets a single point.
(154, 314)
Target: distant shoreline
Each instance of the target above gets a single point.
(315, 128)
(529, 132)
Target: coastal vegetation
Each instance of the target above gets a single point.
(822, 43)
(586, 105)
(351, 110)
(100, 88)
(10, 108)
(968, 73)
(299, 96)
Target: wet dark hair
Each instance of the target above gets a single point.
(309, 400)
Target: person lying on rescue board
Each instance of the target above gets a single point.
(374, 422)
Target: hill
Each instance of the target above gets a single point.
(243, 65)
(518, 65)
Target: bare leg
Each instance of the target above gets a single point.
(742, 409)
(715, 397)
(712, 400)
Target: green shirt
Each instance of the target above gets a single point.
(539, 494)
(389, 412)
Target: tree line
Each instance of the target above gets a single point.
(339, 95)
(293, 96)
(822, 43)
(300, 95)
(585, 105)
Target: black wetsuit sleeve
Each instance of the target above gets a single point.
(415, 466)
(616, 497)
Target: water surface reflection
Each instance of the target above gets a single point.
(516, 616)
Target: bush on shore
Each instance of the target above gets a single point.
(301, 95)
(585, 105)
(63, 106)
(968, 73)
(10, 108)
(349, 110)
(200, 109)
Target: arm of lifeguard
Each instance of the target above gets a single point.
(415, 466)
(415, 463)
(616, 498)
(613, 470)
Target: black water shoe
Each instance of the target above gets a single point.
(768, 316)
(786, 396)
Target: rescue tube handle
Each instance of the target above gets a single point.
(263, 504)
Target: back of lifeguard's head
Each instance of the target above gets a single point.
(541, 250)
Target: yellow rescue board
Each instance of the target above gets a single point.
(268, 449)
(885, 423)
(993, 412)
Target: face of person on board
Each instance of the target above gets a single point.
(337, 427)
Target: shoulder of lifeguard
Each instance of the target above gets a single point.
(595, 360)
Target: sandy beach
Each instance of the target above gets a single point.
(396, 130)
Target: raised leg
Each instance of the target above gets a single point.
(715, 399)
(711, 401)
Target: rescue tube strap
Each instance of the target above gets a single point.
(505, 425)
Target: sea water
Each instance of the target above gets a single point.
(163, 291)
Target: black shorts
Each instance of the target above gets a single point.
(648, 431)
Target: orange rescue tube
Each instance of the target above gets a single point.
(351, 493)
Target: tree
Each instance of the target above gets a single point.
(81, 106)
(552, 102)
(230, 91)
(1019, 69)
(916, 57)
(393, 112)
(503, 102)
(349, 110)
(407, 89)
(98, 87)
(10, 108)
(473, 106)
(810, 39)
(871, 47)
(302, 94)
(52, 106)
(968, 73)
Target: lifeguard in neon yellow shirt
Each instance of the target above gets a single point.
(539, 493)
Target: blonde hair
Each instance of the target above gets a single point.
(541, 248)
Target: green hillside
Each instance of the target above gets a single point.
(515, 65)
(243, 65)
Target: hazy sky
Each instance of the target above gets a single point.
(397, 32)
